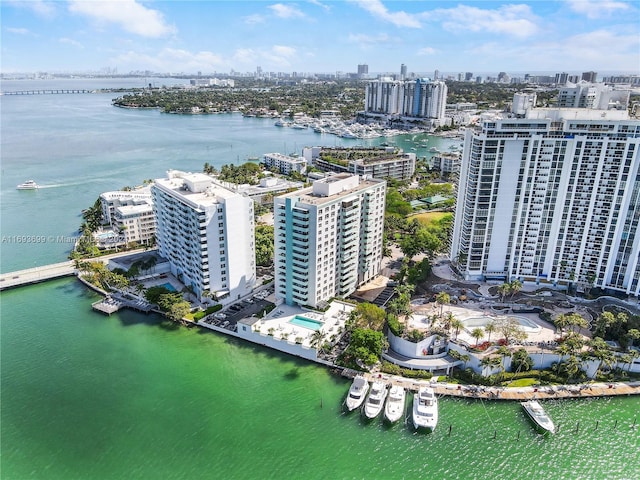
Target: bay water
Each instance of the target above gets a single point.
(85, 396)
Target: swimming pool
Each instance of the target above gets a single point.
(527, 325)
(168, 286)
(306, 322)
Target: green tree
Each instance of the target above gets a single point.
(177, 311)
(521, 361)
(490, 328)
(442, 299)
(264, 245)
(366, 345)
(369, 316)
(477, 333)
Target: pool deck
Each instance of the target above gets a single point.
(588, 390)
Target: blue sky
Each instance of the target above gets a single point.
(320, 36)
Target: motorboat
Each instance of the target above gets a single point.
(375, 400)
(357, 392)
(394, 408)
(28, 185)
(538, 416)
(425, 409)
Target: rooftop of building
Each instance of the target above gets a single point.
(196, 188)
(332, 188)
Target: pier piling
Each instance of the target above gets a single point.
(597, 422)
(577, 426)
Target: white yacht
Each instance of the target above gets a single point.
(375, 400)
(425, 409)
(28, 185)
(357, 392)
(537, 414)
(394, 408)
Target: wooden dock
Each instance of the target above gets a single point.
(587, 390)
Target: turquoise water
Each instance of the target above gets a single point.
(127, 396)
(306, 322)
(169, 287)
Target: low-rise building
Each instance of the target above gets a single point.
(284, 163)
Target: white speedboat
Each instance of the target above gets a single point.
(375, 400)
(357, 392)
(394, 408)
(28, 185)
(539, 417)
(425, 409)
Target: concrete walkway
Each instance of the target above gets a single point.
(588, 390)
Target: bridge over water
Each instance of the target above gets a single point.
(36, 274)
(46, 92)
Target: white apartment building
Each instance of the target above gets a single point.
(207, 234)
(119, 198)
(552, 198)
(328, 238)
(375, 162)
(135, 223)
(420, 98)
(592, 95)
(285, 163)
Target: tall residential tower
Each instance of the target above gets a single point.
(328, 238)
(551, 198)
(207, 234)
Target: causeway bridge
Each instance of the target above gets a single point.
(36, 274)
(54, 91)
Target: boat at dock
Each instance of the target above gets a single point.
(375, 400)
(425, 409)
(28, 185)
(357, 392)
(394, 408)
(538, 416)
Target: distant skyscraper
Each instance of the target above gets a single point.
(561, 78)
(589, 76)
(468, 76)
(592, 95)
(259, 71)
(328, 238)
(403, 72)
(421, 98)
(363, 70)
(436, 74)
(551, 198)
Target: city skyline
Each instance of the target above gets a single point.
(319, 36)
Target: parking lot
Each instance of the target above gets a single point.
(229, 316)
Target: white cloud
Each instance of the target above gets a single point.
(39, 7)
(169, 60)
(283, 51)
(128, 14)
(18, 31)
(513, 20)
(319, 4)
(366, 41)
(70, 41)
(427, 51)
(244, 55)
(254, 19)
(286, 11)
(597, 8)
(378, 10)
(569, 53)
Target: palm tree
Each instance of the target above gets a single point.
(442, 298)
(457, 324)
(316, 338)
(514, 287)
(504, 352)
(503, 290)
(477, 333)
(490, 328)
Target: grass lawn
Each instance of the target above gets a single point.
(523, 382)
(430, 217)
